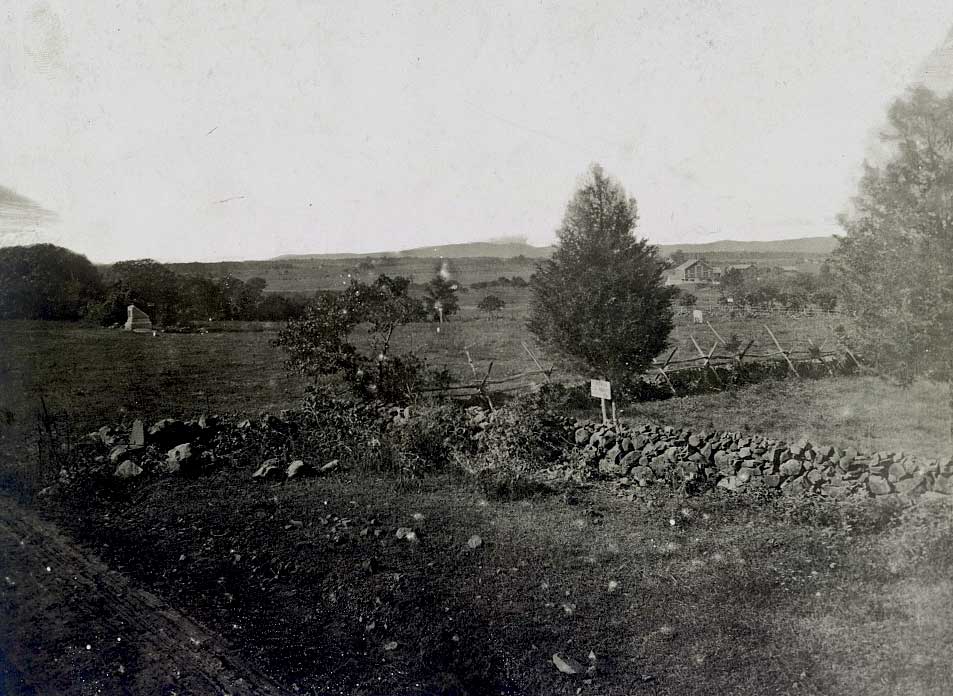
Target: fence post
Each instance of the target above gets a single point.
(483, 387)
(526, 348)
(664, 373)
(707, 358)
(717, 335)
(470, 360)
(821, 357)
(782, 351)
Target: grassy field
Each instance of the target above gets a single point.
(97, 376)
(861, 412)
(308, 276)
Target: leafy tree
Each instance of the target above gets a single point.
(319, 343)
(145, 283)
(277, 307)
(733, 284)
(678, 257)
(600, 300)
(43, 281)
(491, 304)
(896, 259)
(200, 298)
(441, 294)
(686, 299)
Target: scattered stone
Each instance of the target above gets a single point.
(119, 452)
(169, 432)
(329, 467)
(298, 468)
(269, 469)
(475, 541)
(407, 533)
(106, 436)
(567, 665)
(127, 470)
(179, 459)
(390, 645)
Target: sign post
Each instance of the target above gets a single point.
(602, 390)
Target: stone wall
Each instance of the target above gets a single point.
(640, 456)
(630, 457)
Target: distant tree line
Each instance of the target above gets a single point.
(501, 282)
(766, 289)
(44, 281)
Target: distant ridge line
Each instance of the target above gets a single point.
(800, 245)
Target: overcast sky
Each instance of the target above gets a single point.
(230, 130)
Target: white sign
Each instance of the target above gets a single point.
(600, 389)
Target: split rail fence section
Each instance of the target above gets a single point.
(838, 359)
(720, 368)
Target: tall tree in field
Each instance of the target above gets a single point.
(440, 295)
(896, 260)
(600, 300)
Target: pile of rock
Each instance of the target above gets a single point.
(642, 456)
(168, 446)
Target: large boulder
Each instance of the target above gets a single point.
(896, 471)
(878, 485)
(791, 468)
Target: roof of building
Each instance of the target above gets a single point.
(688, 264)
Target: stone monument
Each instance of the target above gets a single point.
(138, 320)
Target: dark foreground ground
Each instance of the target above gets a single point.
(307, 582)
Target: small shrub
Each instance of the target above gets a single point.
(522, 438)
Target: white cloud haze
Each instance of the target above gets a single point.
(250, 129)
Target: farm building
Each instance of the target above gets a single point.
(693, 271)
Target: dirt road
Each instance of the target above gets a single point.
(70, 625)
